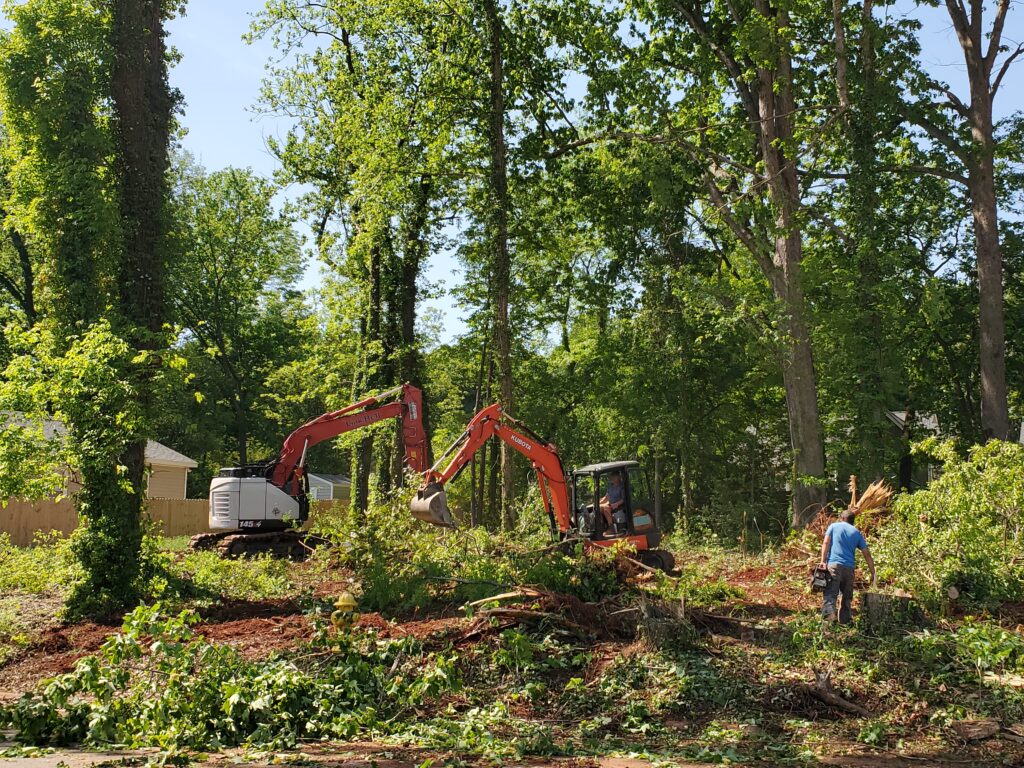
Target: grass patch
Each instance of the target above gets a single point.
(46, 566)
(206, 576)
(14, 634)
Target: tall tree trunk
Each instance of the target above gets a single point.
(367, 378)
(479, 459)
(501, 268)
(770, 104)
(242, 430)
(995, 417)
(410, 363)
(968, 22)
(142, 106)
(777, 111)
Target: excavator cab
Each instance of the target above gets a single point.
(635, 517)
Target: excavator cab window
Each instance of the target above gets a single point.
(585, 498)
(641, 501)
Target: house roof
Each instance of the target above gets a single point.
(926, 421)
(332, 479)
(156, 453)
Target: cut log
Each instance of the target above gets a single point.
(823, 691)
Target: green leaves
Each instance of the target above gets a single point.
(962, 530)
(158, 683)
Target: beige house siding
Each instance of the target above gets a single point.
(167, 483)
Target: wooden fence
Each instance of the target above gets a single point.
(180, 517)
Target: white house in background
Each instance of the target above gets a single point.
(168, 472)
(324, 487)
(166, 469)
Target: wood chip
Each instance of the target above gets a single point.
(975, 730)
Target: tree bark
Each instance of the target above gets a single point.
(242, 432)
(410, 363)
(776, 112)
(995, 417)
(368, 378)
(980, 162)
(501, 268)
(143, 103)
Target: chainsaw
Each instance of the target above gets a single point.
(820, 579)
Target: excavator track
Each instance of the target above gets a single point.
(295, 545)
(205, 542)
(658, 558)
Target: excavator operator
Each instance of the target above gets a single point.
(613, 500)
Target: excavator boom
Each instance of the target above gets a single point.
(431, 503)
(287, 470)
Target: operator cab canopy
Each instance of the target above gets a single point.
(605, 466)
(591, 483)
(592, 480)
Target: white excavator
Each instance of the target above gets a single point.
(259, 508)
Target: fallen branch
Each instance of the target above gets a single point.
(823, 691)
(467, 581)
(521, 615)
(521, 592)
(700, 615)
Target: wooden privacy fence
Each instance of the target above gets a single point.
(180, 517)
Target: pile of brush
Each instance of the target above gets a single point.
(872, 506)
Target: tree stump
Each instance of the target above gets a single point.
(880, 612)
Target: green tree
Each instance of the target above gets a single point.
(376, 91)
(232, 289)
(966, 133)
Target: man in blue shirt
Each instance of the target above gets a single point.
(613, 500)
(838, 555)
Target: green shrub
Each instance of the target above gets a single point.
(972, 651)
(159, 684)
(963, 530)
(404, 564)
(46, 566)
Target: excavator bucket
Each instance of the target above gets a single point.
(430, 504)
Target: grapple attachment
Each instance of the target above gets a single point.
(430, 504)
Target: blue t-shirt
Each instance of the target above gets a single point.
(846, 540)
(614, 493)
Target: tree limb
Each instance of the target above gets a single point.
(941, 136)
(902, 169)
(1004, 68)
(997, 34)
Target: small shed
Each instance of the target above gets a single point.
(324, 487)
(168, 472)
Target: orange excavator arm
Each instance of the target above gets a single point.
(290, 463)
(431, 504)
